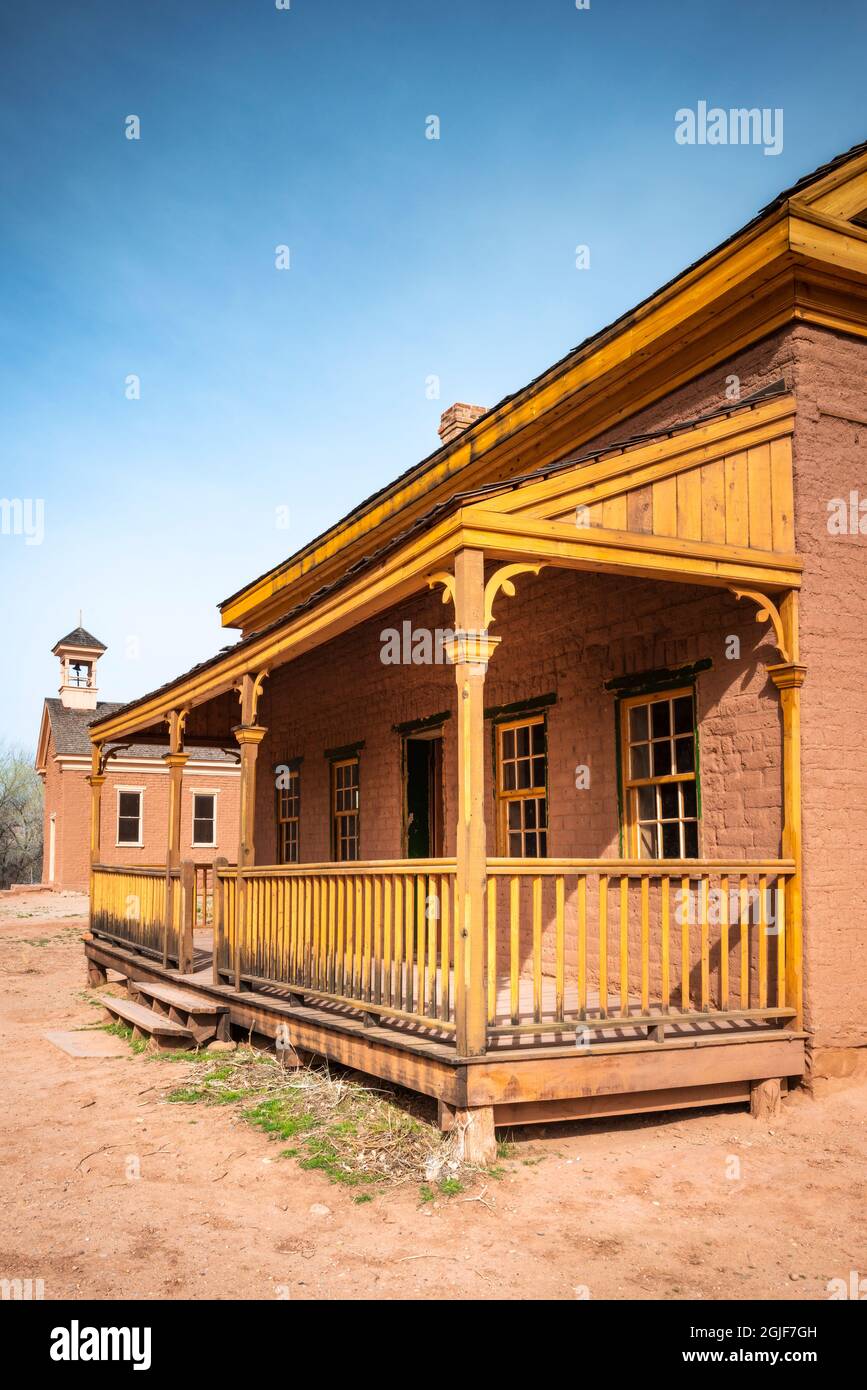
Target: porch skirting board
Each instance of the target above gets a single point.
(532, 1084)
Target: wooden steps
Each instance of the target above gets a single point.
(162, 1032)
(202, 1018)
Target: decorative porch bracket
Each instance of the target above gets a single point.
(767, 612)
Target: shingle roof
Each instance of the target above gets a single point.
(80, 637)
(70, 730)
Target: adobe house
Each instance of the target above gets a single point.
(589, 838)
(135, 805)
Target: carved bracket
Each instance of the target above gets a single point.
(500, 580)
(249, 689)
(767, 612)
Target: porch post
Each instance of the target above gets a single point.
(469, 652)
(788, 677)
(249, 736)
(175, 760)
(96, 780)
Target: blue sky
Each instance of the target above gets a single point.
(306, 388)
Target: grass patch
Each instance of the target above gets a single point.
(123, 1030)
(357, 1134)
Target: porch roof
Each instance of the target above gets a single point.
(675, 505)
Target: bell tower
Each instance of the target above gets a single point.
(78, 653)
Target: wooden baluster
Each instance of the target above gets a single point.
(725, 910)
(445, 959)
(537, 948)
(409, 964)
(780, 926)
(744, 916)
(705, 944)
(603, 945)
(398, 941)
(387, 911)
(491, 929)
(514, 948)
(433, 910)
(560, 980)
(367, 953)
(645, 945)
(377, 939)
(686, 913)
(341, 935)
(582, 945)
(420, 942)
(624, 945)
(763, 942)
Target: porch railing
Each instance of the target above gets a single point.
(129, 905)
(601, 943)
(377, 935)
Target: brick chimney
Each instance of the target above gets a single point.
(458, 418)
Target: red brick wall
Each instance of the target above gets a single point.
(564, 632)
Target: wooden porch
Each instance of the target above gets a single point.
(512, 989)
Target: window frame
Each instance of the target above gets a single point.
(629, 785)
(294, 771)
(504, 797)
(202, 844)
(129, 791)
(351, 760)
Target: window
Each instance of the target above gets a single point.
(79, 674)
(204, 819)
(288, 814)
(344, 808)
(129, 817)
(660, 790)
(522, 799)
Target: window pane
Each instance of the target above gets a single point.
(530, 814)
(660, 718)
(647, 837)
(671, 840)
(543, 844)
(690, 836)
(128, 804)
(538, 738)
(685, 754)
(690, 801)
(640, 760)
(531, 847)
(683, 714)
(514, 814)
(661, 758)
(523, 774)
(509, 778)
(646, 803)
(538, 772)
(543, 811)
(523, 740)
(508, 743)
(515, 845)
(669, 801)
(638, 723)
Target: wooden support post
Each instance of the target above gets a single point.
(765, 1099)
(96, 974)
(249, 736)
(469, 651)
(176, 762)
(219, 918)
(788, 677)
(476, 1139)
(187, 889)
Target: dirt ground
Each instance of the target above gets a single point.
(703, 1205)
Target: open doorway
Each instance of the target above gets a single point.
(423, 802)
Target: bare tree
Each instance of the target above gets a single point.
(20, 818)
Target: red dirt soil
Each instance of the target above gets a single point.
(623, 1209)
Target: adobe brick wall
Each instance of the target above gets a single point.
(67, 793)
